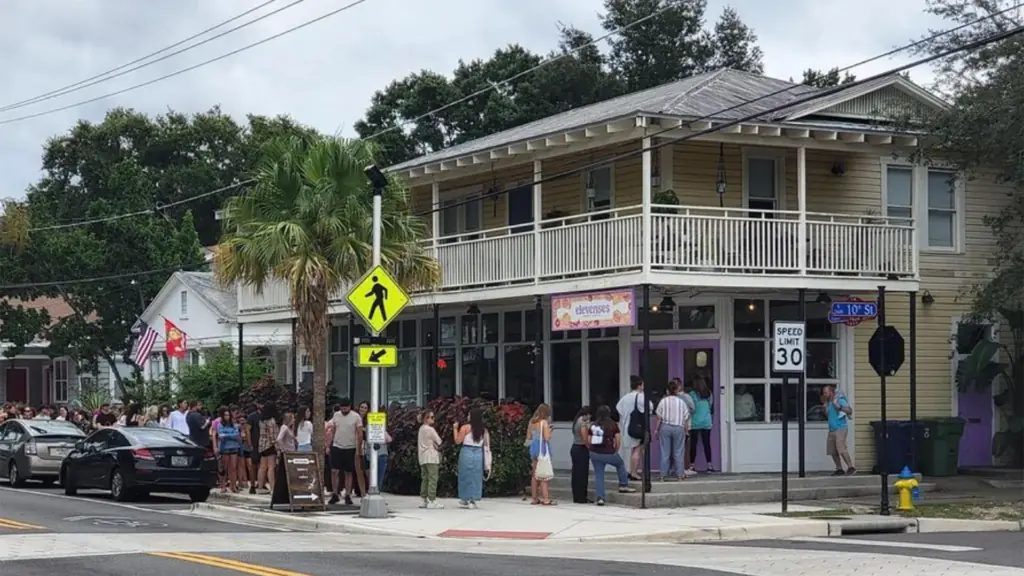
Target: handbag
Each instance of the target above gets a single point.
(636, 429)
(488, 457)
(544, 469)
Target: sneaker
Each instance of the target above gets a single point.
(626, 490)
(334, 499)
(472, 505)
(690, 473)
(851, 471)
(434, 505)
(600, 502)
(711, 469)
(252, 490)
(839, 473)
(424, 504)
(348, 500)
(463, 504)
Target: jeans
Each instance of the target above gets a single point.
(428, 481)
(672, 440)
(600, 461)
(305, 447)
(382, 468)
(704, 436)
(580, 456)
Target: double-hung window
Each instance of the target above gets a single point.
(928, 196)
(461, 214)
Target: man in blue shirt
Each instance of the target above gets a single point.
(839, 411)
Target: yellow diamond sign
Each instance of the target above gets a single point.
(377, 299)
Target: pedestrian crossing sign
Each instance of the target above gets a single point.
(377, 299)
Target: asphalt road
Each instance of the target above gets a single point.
(991, 548)
(38, 509)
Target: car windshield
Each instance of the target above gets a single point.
(156, 437)
(45, 428)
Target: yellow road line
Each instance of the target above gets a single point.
(4, 523)
(226, 564)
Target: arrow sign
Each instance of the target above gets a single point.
(312, 497)
(301, 461)
(377, 356)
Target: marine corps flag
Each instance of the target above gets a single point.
(175, 339)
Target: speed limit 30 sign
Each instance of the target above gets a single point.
(789, 346)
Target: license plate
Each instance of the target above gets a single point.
(180, 461)
(60, 452)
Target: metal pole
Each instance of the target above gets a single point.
(801, 403)
(785, 444)
(372, 504)
(645, 371)
(913, 381)
(350, 389)
(882, 463)
(538, 345)
(295, 356)
(435, 374)
(241, 358)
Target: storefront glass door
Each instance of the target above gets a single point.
(685, 360)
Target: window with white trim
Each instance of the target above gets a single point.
(758, 392)
(157, 365)
(599, 189)
(762, 182)
(461, 214)
(86, 383)
(899, 194)
(60, 380)
(184, 304)
(942, 209)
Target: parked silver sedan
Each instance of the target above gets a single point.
(34, 449)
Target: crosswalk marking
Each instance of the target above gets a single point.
(885, 544)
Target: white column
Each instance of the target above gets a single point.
(175, 365)
(801, 201)
(666, 168)
(646, 205)
(538, 211)
(435, 215)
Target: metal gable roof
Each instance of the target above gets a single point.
(223, 302)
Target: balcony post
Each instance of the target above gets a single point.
(435, 215)
(801, 200)
(646, 199)
(537, 215)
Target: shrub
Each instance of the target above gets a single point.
(266, 389)
(507, 424)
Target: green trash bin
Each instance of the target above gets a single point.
(938, 445)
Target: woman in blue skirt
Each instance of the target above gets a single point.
(474, 439)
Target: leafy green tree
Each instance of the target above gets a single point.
(827, 79)
(981, 134)
(306, 221)
(215, 381)
(20, 326)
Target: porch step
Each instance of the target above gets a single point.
(734, 489)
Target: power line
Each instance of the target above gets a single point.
(116, 72)
(96, 279)
(749, 118)
(492, 86)
(188, 69)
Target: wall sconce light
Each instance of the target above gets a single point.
(473, 310)
(927, 299)
(838, 168)
(667, 304)
(823, 298)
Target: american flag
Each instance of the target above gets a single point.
(147, 338)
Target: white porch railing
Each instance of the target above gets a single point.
(684, 239)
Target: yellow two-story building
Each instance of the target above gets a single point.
(726, 228)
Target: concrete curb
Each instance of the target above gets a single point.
(870, 524)
(308, 523)
(932, 525)
(727, 533)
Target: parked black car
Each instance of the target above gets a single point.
(131, 462)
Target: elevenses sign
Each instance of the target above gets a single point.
(584, 310)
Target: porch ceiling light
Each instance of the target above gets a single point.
(473, 310)
(927, 299)
(667, 304)
(824, 298)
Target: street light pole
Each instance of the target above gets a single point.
(372, 504)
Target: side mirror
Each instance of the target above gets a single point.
(80, 445)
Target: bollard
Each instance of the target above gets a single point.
(906, 484)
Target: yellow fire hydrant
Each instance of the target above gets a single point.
(906, 485)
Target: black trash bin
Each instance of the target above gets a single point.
(898, 451)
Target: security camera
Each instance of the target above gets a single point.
(377, 178)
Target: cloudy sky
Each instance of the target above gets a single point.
(324, 74)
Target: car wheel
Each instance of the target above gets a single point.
(14, 477)
(70, 489)
(118, 490)
(198, 496)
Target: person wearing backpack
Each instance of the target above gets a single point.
(633, 408)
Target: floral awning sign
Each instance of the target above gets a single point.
(585, 310)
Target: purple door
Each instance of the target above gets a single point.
(683, 360)
(976, 444)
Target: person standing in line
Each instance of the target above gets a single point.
(286, 441)
(579, 455)
(473, 437)
(604, 440)
(198, 425)
(178, 421)
(347, 427)
(538, 438)
(701, 422)
(429, 456)
(839, 411)
(228, 445)
(267, 448)
(304, 431)
(632, 409)
(684, 393)
(252, 434)
(671, 417)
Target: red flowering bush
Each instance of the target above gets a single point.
(506, 423)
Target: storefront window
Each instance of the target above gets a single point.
(566, 380)
(521, 385)
(603, 372)
(758, 391)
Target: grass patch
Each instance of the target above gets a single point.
(969, 510)
(826, 513)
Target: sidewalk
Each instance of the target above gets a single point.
(512, 518)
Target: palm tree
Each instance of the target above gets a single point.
(306, 221)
